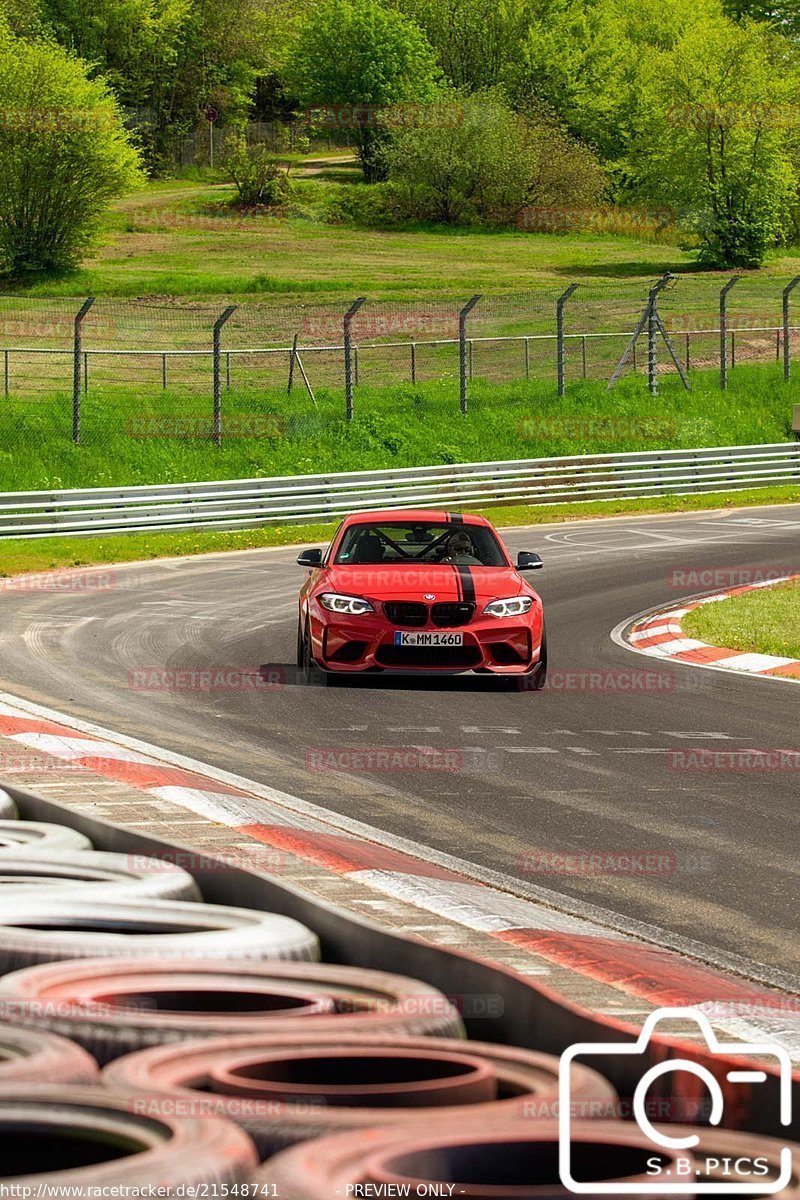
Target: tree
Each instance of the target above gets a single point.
(65, 155)
(716, 148)
(475, 41)
(784, 18)
(24, 17)
(355, 58)
(166, 60)
(490, 165)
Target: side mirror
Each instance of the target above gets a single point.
(310, 558)
(527, 561)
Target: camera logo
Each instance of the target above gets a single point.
(672, 1172)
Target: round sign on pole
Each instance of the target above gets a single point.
(211, 114)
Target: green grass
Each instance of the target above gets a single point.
(307, 256)
(766, 621)
(124, 442)
(19, 556)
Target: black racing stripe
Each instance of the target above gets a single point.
(455, 518)
(467, 585)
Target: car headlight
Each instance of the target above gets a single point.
(353, 606)
(514, 607)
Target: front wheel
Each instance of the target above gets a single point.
(309, 674)
(535, 680)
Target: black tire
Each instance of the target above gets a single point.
(50, 930)
(300, 654)
(8, 809)
(114, 1007)
(540, 678)
(31, 837)
(535, 679)
(92, 875)
(310, 674)
(81, 1141)
(33, 1056)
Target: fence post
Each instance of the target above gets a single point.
(77, 372)
(652, 329)
(348, 355)
(220, 321)
(292, 356)
(787, 362)
(723, 331)
(562, 300)
(462, 350)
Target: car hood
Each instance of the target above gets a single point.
(397, 581)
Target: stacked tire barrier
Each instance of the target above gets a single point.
(148, 1038)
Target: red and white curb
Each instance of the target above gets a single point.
(439, 884)
(660, 634)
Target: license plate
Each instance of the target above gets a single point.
(428, 639)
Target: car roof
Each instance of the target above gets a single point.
(416, 516)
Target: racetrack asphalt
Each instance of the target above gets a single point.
(600, 763)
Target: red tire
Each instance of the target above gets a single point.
(483, 1161)
(32, 1056)
(88, 1139)
(284, 1090)
(114, 1008)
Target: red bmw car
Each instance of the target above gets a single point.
(416, 591)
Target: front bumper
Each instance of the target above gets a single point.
(366, 643)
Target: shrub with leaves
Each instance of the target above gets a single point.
(64, 152)
(259, 180)
(489, 164)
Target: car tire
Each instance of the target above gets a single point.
(540, 678)
(284, 1090)
(535, 679)
(504, 1158)
(50, 930)
(83, 1140)
(34, 1056)
(115, 1007)
(92, 875)
(8, 809)
(311, 675)
(32, 837)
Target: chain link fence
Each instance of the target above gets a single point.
(158, 367)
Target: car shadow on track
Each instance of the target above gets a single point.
(289, 675)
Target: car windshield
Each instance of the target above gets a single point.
(403, 542)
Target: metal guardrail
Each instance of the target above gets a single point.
(244, 503)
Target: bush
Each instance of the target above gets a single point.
(258, 177)
(488, 164)
(738, 231)
(65, 155)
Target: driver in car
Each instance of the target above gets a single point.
(460, 551)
